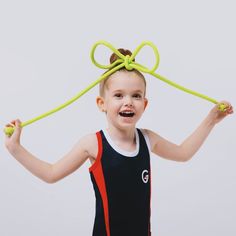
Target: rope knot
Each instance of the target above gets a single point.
(128, 63)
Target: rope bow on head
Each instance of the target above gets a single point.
(126, 61)
(123, 62)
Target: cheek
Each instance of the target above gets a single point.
(142, 106)
(112, 105)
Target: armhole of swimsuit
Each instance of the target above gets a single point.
(147, 140)
(99, 154)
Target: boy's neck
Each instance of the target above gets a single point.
(122, 135)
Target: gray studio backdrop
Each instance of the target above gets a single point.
(44, 61)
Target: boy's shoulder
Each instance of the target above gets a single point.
(89, 143)
(88, 139)
(145, 131)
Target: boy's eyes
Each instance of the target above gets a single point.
(137, 95)
(120, 95)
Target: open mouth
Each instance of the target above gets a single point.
(126, 114)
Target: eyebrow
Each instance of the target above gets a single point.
(135, 91)
(138, 91)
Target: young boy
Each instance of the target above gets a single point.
(119, 155)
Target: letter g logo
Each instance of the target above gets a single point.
(145, 176)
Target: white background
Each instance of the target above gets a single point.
(44, 61)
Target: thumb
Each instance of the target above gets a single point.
(17, 128)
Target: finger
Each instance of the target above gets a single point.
(13, 122)
(230, 108)
(17, 130)
(9, 125)
(18, 123)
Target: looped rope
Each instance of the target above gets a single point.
(126, 61)
(123, 61)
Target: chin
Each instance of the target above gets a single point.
(127, 125)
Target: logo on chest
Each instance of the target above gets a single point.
(145, 176)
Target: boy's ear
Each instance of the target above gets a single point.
(100, 103)
(145, 103)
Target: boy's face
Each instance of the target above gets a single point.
(124, 99)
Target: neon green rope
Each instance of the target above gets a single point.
(129, 64)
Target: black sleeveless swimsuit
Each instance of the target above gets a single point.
(122, 186)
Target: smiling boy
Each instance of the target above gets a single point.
(120, 155)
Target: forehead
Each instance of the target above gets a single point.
(125, 79)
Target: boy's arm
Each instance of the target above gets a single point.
(191, 145)
(49, 173)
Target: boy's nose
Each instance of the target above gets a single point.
(128, 101)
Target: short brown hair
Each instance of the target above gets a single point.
(113, 58)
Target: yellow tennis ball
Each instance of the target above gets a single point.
(222, 107)
(9, 131)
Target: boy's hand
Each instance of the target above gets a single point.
(13, 140)
(216, 115)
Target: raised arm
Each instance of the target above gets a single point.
(190, 145)
(47, 172)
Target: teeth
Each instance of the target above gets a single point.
(127, 113)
